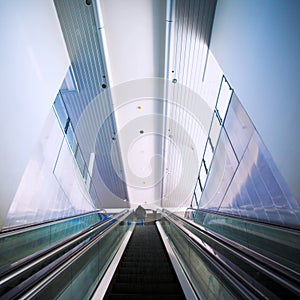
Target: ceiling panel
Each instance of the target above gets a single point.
(135, 36)
(188, 115)
(145, 130)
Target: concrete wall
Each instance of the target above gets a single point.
(33, 60)
(257, 45)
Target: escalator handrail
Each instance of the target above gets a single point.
(236, 251)
(276, 267)
(30, 262)
(43, 276)
(5, 232)
(247, 220)
(266, 261)
(223, 268)
(31, 258)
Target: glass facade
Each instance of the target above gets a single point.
(73, 144)
(52, 186)
(238, 175)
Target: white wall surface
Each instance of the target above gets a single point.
(33, 60)
(257, 45)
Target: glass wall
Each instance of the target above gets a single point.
(52, 186)
(72, 142)
(219, 114)
(238, 175)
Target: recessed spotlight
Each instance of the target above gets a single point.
(174, 80)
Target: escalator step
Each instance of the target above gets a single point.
(145, 271)
(148, 288)
(145, 297)
(142, 271)
(146, 278)
(143, 264)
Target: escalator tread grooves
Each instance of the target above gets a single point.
(145, 269)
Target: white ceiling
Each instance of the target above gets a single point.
(135, 37)
(159, 128)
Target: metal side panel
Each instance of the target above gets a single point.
(184, 282)
(104, 283)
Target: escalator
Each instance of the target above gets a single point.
(169, 259)
(223, 268)
(145, 270)
(45, 274)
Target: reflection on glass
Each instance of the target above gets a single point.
(69, 178)
(238, 127)
(198, 191)
(202, 176)
(70, 135)
(214, 131)
(224, 98)
(79, 279)
(17, 246)
(60, 110)
(207, 281)
(243, 178)
(257, 191)
(51, 187)
(221, 172)
(208, 155)
(275, 242)
(194, 203)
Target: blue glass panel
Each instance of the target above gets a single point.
(60, 110)
(238, 126)
(224, 98)
(255, 190)
(228, 205)
(80, 161)
(222, 170)
(202, 175)
(198, 191)
(214, 131)
(71, 139)
(243, 178)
